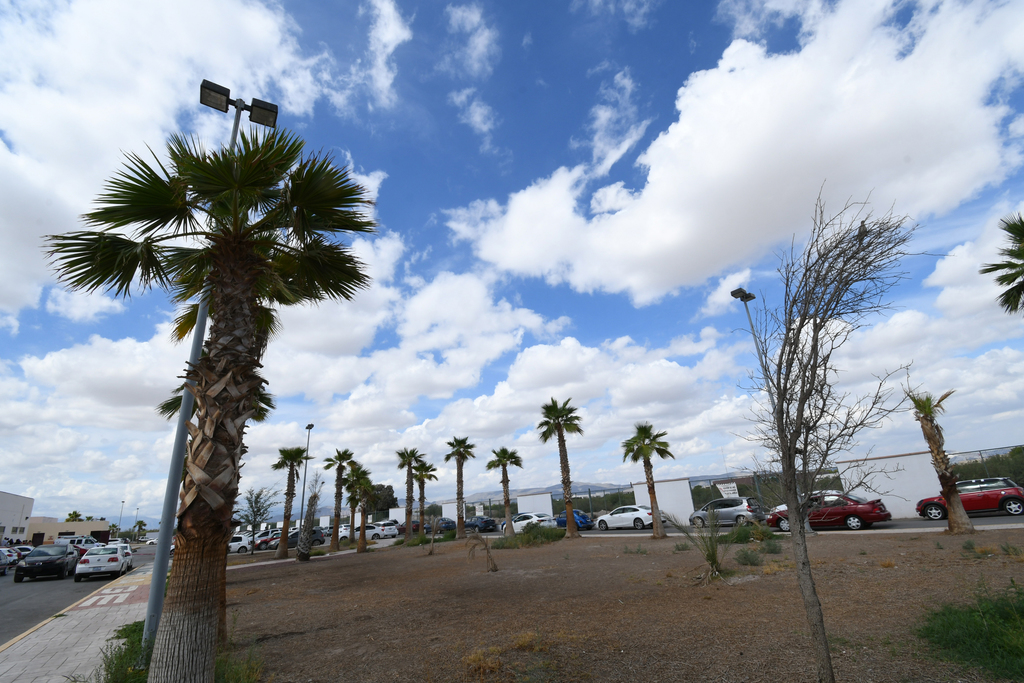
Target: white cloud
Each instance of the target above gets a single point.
(635, 12)
(82, 307)
(613, 123)
(476, 114)
(905, 114)
(477, 56)
(720, 300)
(389, 30)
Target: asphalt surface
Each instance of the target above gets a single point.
(25, 604)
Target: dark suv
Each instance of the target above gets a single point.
(978, 495)
(293, 538)
(481, 524)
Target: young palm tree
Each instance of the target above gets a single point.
(254, 223)
(643, 445)
(407, 459)
(461, 451)
(305, 544)
(339, 461)
(559, 420)
(926, 410)
(352, 483)
(360, 490)
(289, 459)
(423, 472)
(1011, 271)
(74, 516)
(504, 458)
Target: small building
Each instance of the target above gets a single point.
(48, 529)
(15, 512)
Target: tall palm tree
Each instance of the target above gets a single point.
(257, 222)
(643, 445)
(1011, 271)
(74, 516)
(461, 451)
(504, 458)
(360, 490)
(423, 472)
(558, 421)
(290, 460)
(926, 410)
(339, 461)
(352, 483)
(407, 459)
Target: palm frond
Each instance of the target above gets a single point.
(107, 260)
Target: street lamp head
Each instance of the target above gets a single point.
(309, 426)
(263, 113)
(742, 294)
(216, 96)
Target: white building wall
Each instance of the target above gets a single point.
(537, 502)
(899, 480)
(397, 513)
(451, 510)
(674, 497)
(15, 511)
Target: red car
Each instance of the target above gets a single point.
(847, 510)
(978, 495)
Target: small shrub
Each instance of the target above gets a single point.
(528, 642)
(749, 557)
(399, 541)
(532, 535)
(938, 545)
(760, 532)
(483, 661)
(887, 564)
(986, 634)
(448, 536)
(1011, 549)
(771, 547)
(968, 546)
(639, 550)
(709, 543)
(319, 552)
(863, 552)
(741, 535)
(681, 547)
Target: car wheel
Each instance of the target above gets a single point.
(783, 524)
(699, 522)
(318, 542)
(261, 546)
(62, 574)
(78, 577)
(18, 579)
(602, 525)
(741, 520)
(242, 551)
(1013, 506)
(375, 537)
(638, 523)
(854, 523)
(934, 511)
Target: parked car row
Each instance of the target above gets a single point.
(978, 495)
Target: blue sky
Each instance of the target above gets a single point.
(567, 191)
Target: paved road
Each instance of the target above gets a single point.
(25, 604)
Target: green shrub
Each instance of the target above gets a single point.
(398, 541)
(749, 557)
(771, 547)
(532, 535)
(1011, 549)
(681, 547)
(448, 536)
(317, 553)
(760, 532)
(639, 550)
(989, 633)
(968, 545)
(740, 535)
(709, 543)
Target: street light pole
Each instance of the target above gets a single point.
(263, 113)
(305, 466)
(135, 527)
(119, 517)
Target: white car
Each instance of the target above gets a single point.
(239, 545)
(520, 521)
(96, 561)
(12, 555)
(24, 549)
(127, 552)
(635, 516)
(378, 531)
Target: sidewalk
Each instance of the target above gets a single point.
(71, 645)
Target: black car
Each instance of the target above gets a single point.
(47, 560)
(481, 524)
(293, 538)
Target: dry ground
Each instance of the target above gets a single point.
(586, 610)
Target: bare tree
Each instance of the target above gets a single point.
(836, 284)
(255, 511)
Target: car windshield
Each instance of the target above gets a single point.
(856, 499)
(48, 551)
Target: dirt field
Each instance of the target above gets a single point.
(586, 610)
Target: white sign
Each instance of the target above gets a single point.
(728, 489)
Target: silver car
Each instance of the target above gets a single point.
(730, 512)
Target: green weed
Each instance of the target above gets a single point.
(1011, 549)
(639, 550)
(681, 547)
(749, 557)
(531, 536)
(938, 545)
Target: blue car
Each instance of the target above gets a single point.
(583, 523)
(445, 524)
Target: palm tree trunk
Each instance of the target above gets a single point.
(289, 498)
(338, 493)
(408, 504)
(563, 459)
(509, 531)
(460, 515)
(306, 535)
(659, 528)
(352, 523)
(957, 521)
(225, 383)
(423, 500)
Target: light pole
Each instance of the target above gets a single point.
(305, 466)
(119, 518)
(265, 114)
(135, 527)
